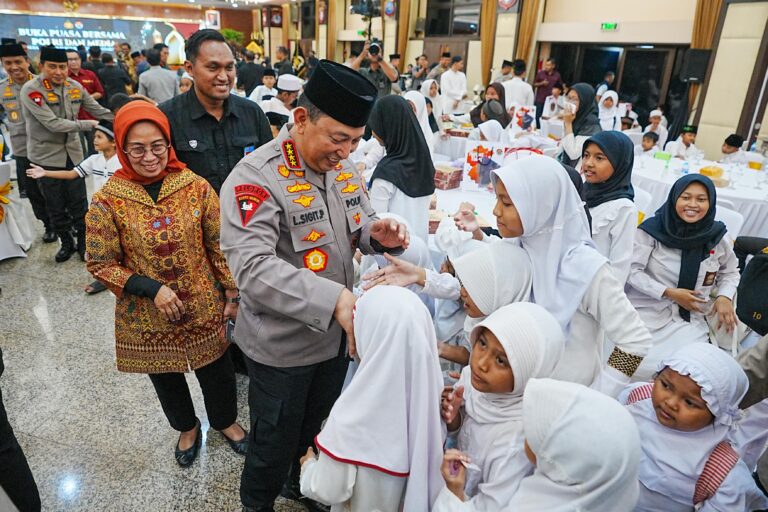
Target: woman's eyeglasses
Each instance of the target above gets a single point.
(138, 152)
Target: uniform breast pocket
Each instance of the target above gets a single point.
(242, 145)
(191, 145)
(310, 228)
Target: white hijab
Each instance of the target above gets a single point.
(556, 233)
(422, 116)
(587, 451)
(388, 418)
(492, 130)
(674, 473)
(608, 116)
(437, 101)
(533, 342)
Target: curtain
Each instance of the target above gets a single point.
(331, 17)
(529, 16)
(487, 37)
(403, 17)
(704, 26)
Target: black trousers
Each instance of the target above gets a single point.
(217, 381)
(539, 111)
(67, 202)
(15, 476)
(746, 245)
(34, 190)
(287, 407)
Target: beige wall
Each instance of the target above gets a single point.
(504, 44)
(639, 22)
(731, 73)
(474, 69)
(414, 49)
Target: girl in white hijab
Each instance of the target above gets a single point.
(516, 343)
(686, 419)
(584, 445)
(538, 204)
(381, 447)
(491, 131)
(419, 104)
(433, 93)
(609, 111)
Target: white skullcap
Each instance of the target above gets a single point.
(290, 83)
(655, 113)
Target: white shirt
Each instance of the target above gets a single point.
(277, 106)
(573, 145)
(739, 158)
(613, 232)
(453, 86)
(518, 92)
(639, 151)
(386, 197)
(660, 131)
(351, 488)
(678, 149)
(553, 107)
(98, 167)
(259, 92)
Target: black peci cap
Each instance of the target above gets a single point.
(12, 50)
(341, 92)
(734, 140)
(52, 54)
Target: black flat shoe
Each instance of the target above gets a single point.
(49, 236)
(239, 447)
(185, 458)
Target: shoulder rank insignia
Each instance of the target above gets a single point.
(304, 201)
(47, 84)
(313, 236)
(344, 176)
(298, 187)
(350, 188)
(290, 155)
(249, 198)
(316, 260)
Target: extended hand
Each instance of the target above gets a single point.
(725, 313)
(307, 456)
(344, 314)
(398, 273)
(688, 299)
(466, 220)
(390, 233)
(35, 171)
(451, 402)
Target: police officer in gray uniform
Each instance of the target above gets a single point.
(16, 64)
(51, 103)
(292, 214)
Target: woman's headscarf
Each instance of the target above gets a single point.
(694, 240)
(609, 117)
(407, 164)
(621, 153)
(388, 418)
(491, 130)
(432, 121)
(556, 234)
(674, 473)
(437, 103)
(132, 113)
(587, 451)
(534, 344)
(578, 183)
(503, 117)
(422, 116)
(586, 121)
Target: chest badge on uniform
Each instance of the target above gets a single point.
(357, 218)
(349, 188)
(37, 98)
(193, 143)
(14, 115)
(339, 166)
(316, 260)
(344, 176)
(304, 201)
(51, 97)
(298, 187)
(74, 94)
(313, 236)
(249, 198)
(283, 171)
(290, 155)
(8, 93)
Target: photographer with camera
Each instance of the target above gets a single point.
(379, 72)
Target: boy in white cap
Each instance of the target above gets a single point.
(288, 87)
(655, 119)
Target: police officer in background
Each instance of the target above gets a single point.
(292, 214)
(51, 104)
(16, 64)
(211, 128)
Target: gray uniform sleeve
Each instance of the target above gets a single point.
(92, 107)
(261, 275)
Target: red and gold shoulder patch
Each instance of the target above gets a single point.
(313, 236)
(304, 201)
(316, 260)
(37, 98)
(290, 155)
(350, 188)
(249, 198)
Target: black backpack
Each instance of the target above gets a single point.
(752, 302)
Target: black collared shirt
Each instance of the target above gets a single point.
(209, 147)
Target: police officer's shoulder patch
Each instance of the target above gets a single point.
(248, 198)
(37, 98)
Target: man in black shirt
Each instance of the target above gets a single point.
(94, 62)
(113, 78)
(249, 74)
(211, 128)
(283, 65)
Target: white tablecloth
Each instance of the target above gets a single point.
(452, 147)
(747, 197)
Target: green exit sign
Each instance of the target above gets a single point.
(609, 27)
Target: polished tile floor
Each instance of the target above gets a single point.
(96, 439)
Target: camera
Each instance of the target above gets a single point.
(374, 48)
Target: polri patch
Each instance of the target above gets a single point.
(290, 155)
(316, 260)
(249, 198)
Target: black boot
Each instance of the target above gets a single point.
(81, 245)
(49, 236)
(67, 247)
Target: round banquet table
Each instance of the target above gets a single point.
(748, 191)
